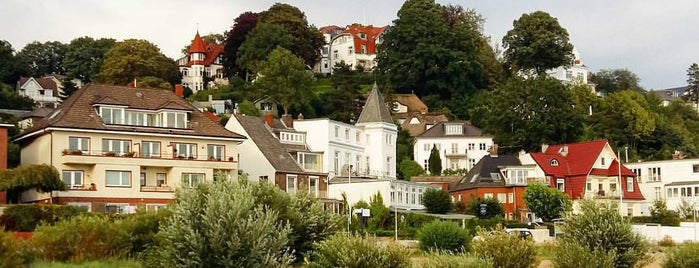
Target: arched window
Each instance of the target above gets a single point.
(553, 162)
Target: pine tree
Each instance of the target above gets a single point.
(435, 162)
(693, 83)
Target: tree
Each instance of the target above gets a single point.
(492, 208)
(408, 168)
(43, 58)
(247, 108)
(659, 213)
(10, 99)
(306, 39)
(284, 78)
(84, 57)
(10, 69)
(436, 201)
(132, 58)
(506, 250)
(601, 228)
(547, 203)
(435, 162)
(537, 42)
(610, 81)
(404, 148)
(692, 92)
(443, 236)
(260, 42)
(243, 25)
(380, 214)
(625, 118)
(43, 178)
(523, 113)
(68, 88)
(344, 101)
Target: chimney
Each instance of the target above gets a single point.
(544, 147)
(494, 150)
(179, 90)
(288, 121)
(678, 155)
(300, 117)
(269, 118)
(564, 150)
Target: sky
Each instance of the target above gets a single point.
(657, 40)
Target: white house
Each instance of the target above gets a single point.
(356, 46)
(203, 63)
(672, 180)
(329, 32)
(460, 144)
(395, 193)
(576, 73)
(44, 91)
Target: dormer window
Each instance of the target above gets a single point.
(553, 162)
(175, 119)
(112, 115)
(288, 137)
(453, 129)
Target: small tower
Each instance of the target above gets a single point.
(381, 133)
(197, 55)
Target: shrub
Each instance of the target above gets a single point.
(546, 202)
(493, 208)
(660, 214)
(446, 260)
(483, 223)
(666, 242)
(600, 229)
(503, 249)
(443, 236)
(341, 250)
(409, 168)
(686, 255)
(26, 218)
(436, 201)
(11, 253)
(569, 254)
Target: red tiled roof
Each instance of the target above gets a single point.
(211, 51)
(329, 28)
(369, 41)
(197, 45)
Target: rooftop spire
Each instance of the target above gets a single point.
(197, 45)
(375, 109)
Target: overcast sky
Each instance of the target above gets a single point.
(657, 40)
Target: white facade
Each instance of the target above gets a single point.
(455, 152)
(577, 73)
(671, 180)
(43, 97)
(193, 75)
(395, 193)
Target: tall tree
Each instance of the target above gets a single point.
(537, 42)
(68, 88)
(435, 162)
(343, 102)
(133, 58)
(10, 99)
(610, 81)
(43, 58)
(260, 42)
(547, 203)
(693, 83)
(283, 77)
(625, 118)
(84, 56)
(524, 113)
(243, 25)
(307, 40)
(10, 67)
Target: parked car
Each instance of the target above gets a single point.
(522, 233)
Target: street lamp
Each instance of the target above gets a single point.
(349, 208)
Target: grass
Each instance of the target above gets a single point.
(545, 251)
(92, 264)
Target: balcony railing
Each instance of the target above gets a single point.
(160, 155)
(455, 152)
(153, 188)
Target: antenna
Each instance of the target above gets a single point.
(364, 16)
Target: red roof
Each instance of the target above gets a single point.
(370, 33)
(46, 83)
(211, 51)
(329, 28)
(197, 45)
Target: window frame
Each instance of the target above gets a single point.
(187, 179)
(293, 188)
(79, 144)
(213, 149)
(72, 173)
(191, 148)
(117, 146)
(121, 178)
(150, 145)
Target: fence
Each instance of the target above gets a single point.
(687, 231)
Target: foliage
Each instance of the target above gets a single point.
(546, 202)
(306, 39)
(452, 172)
(284, 78)
(505, 250)
(242, 26)
(68, 88)
(10, 99)
(487, 223)
(685, 209)
(659, 213)
(692, 92)
(492, 209)
(152, 82)
(570, 254)
(91, 264)
(404, 149)
(344, 101)
(248, 108)
(259, 43)
(600, 229)
(380, 214)
(448, 260)
(11, 252)
(434, 163)
(524, 113)
(11, 68)
(84, 57)
(43, 178)
(408, 168)
(443, 236)
(666, 241)
(686, 255)
(341, 250)
(537, 42)
(43, 58)
(26, 217)
(609, 81)
(436, 201)
(133, 58)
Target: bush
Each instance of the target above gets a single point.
(569, 254)
(666, 242)
(447, 260)
(341, 250)
(11, 252)
(26, 218)
(483, 223)
(686, 255)
(600, 229)
(503, 249)
(546, 202)
(436, 201)
(660, 214)
(493, 208)
(443, 236)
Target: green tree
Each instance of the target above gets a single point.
(284, 78)
(601, 228)
(408, 168)
(344, 101)
(659, 213)
(133, 58)
(42, 178)
(68, 88)
(11, 68)
(436, 201)
(506, 250)
(537, 42)
(10, 99)
(43, 58)
(443, 236)
(610, 81)
(693, 83)
(380, 214)
(247, 108)
(306, 39)
(492, 208)
(546, 202)
(153, 82)
(524, 113)
(625, 118)
(84, 56)
(260, 42)
(243, 25)
(404, 146)
(685, 255)
(341, 250)
(435, 162)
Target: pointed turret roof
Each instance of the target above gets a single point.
(375, 109)
(197, 45)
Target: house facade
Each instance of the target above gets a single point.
(356, 46)
(329, 32)
(674, 181)
(44, 91)
(576, 73)
(396, 194)
(202, 64)
(3, 155)
(413, 115)
(120, 148)
(460, 145)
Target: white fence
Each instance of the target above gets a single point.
(687, 231)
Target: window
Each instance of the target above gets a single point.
(161, 179)
(356, 136)
(471, 163)
(482, 147)
(118, 147)
(118, 178)
(116, 208)
(629, 184)
(337, 132)
(291, 183)
(313, 185)
(336, 163)
(150, 149)
(612, 187)
(588, 187)
(82, 206)
(347, 133)
(518, 176)
(424, 165)
(488, 195)
(349, 50)
(426, 147)
(569, 75)
(112, 115)
(453, 129)
(510, 198)
(79, 144)
(502, 198)
(215, 152)
(363, 49)
(553, 162)
(263, 179)
(184, 150)
(602, 160)
(695, 168)
(72, 178)
(454, 148)
(189, 180)
(348, 160)
(335, 54)
(471, 146)
(154, 207)
(309, 161)
(654, 174)
(658, 193)
(561, 185)
(143, 179)
(175, 120)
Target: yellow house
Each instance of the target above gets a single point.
(120, 148)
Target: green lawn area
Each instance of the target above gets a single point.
(92, 264)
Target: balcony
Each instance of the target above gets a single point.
(153, 188)
(452, 153)
(607, 194)
(133, 158)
